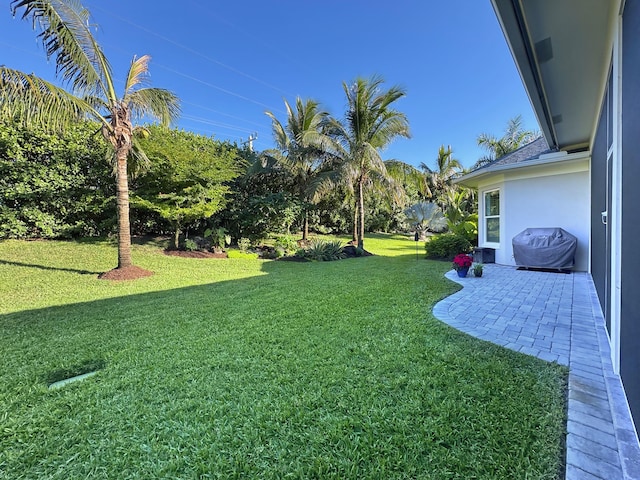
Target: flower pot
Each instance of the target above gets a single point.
(462, 271)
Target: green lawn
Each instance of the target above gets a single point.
(259, 369)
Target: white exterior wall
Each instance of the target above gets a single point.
(548, 196)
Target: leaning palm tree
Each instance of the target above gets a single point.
(370, 124)
(299, 150)
(82, 65)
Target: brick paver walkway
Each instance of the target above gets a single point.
(556, 317)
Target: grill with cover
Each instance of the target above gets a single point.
(544, 248)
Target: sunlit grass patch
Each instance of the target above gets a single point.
(260, 369)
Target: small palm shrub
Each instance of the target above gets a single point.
(322, 251)
(447, 246)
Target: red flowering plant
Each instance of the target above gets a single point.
(462, 260)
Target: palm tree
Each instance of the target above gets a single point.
(514, 137)
(299, 150)
(81, 64)
(440, 179)
(370, 124)
(426, 216)
(410, 177)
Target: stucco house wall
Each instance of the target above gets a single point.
(554, 195)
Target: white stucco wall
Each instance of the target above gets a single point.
(549, 196)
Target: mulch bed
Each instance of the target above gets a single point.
(133, 272)
(125, 273)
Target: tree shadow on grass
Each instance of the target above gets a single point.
(46, 267)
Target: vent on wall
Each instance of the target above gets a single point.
(544, 50)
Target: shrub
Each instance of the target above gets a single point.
(241, 254)
(218, 237)
(447, 246)
(190, 245)
(322, 251)
(244, 244)
(286, 243)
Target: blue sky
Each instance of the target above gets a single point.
(230, 61)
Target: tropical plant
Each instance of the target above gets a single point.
(65, 33)
(370, 124)
(218, 236)
(514, 137)
(286, 244)
(322, 251)
(190, 245)
(426, 217)
(298, 149)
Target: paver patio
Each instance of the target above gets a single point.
(556, 317)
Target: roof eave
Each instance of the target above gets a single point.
(473, 179)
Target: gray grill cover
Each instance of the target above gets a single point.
(544, 248)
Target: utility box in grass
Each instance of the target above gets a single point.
(484, 255)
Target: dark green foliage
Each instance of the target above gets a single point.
(322, 251)
(189, 176)
(218, 237)
(467, 228)
(259, 203)
(447, 246)
(190, 245)
(286, 244)
(54, 186)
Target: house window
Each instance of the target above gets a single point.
(492, 216)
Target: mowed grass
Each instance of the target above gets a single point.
(259, 369)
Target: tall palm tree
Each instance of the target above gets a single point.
(299, 150)
(82, 65)
(514, 137)
(370, 124)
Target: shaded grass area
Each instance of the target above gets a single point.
(260, 369)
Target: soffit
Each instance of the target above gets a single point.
(562, 49)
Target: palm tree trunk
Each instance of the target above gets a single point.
(305, 226)
(361, 207)
(124, 228)
(355, 221)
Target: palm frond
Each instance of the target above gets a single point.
(158, 103)
(34, 101)
(65, 35)
(138, 74)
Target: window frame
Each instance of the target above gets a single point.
(485, 240)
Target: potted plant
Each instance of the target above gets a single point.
(477, 269)
(461, 264)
